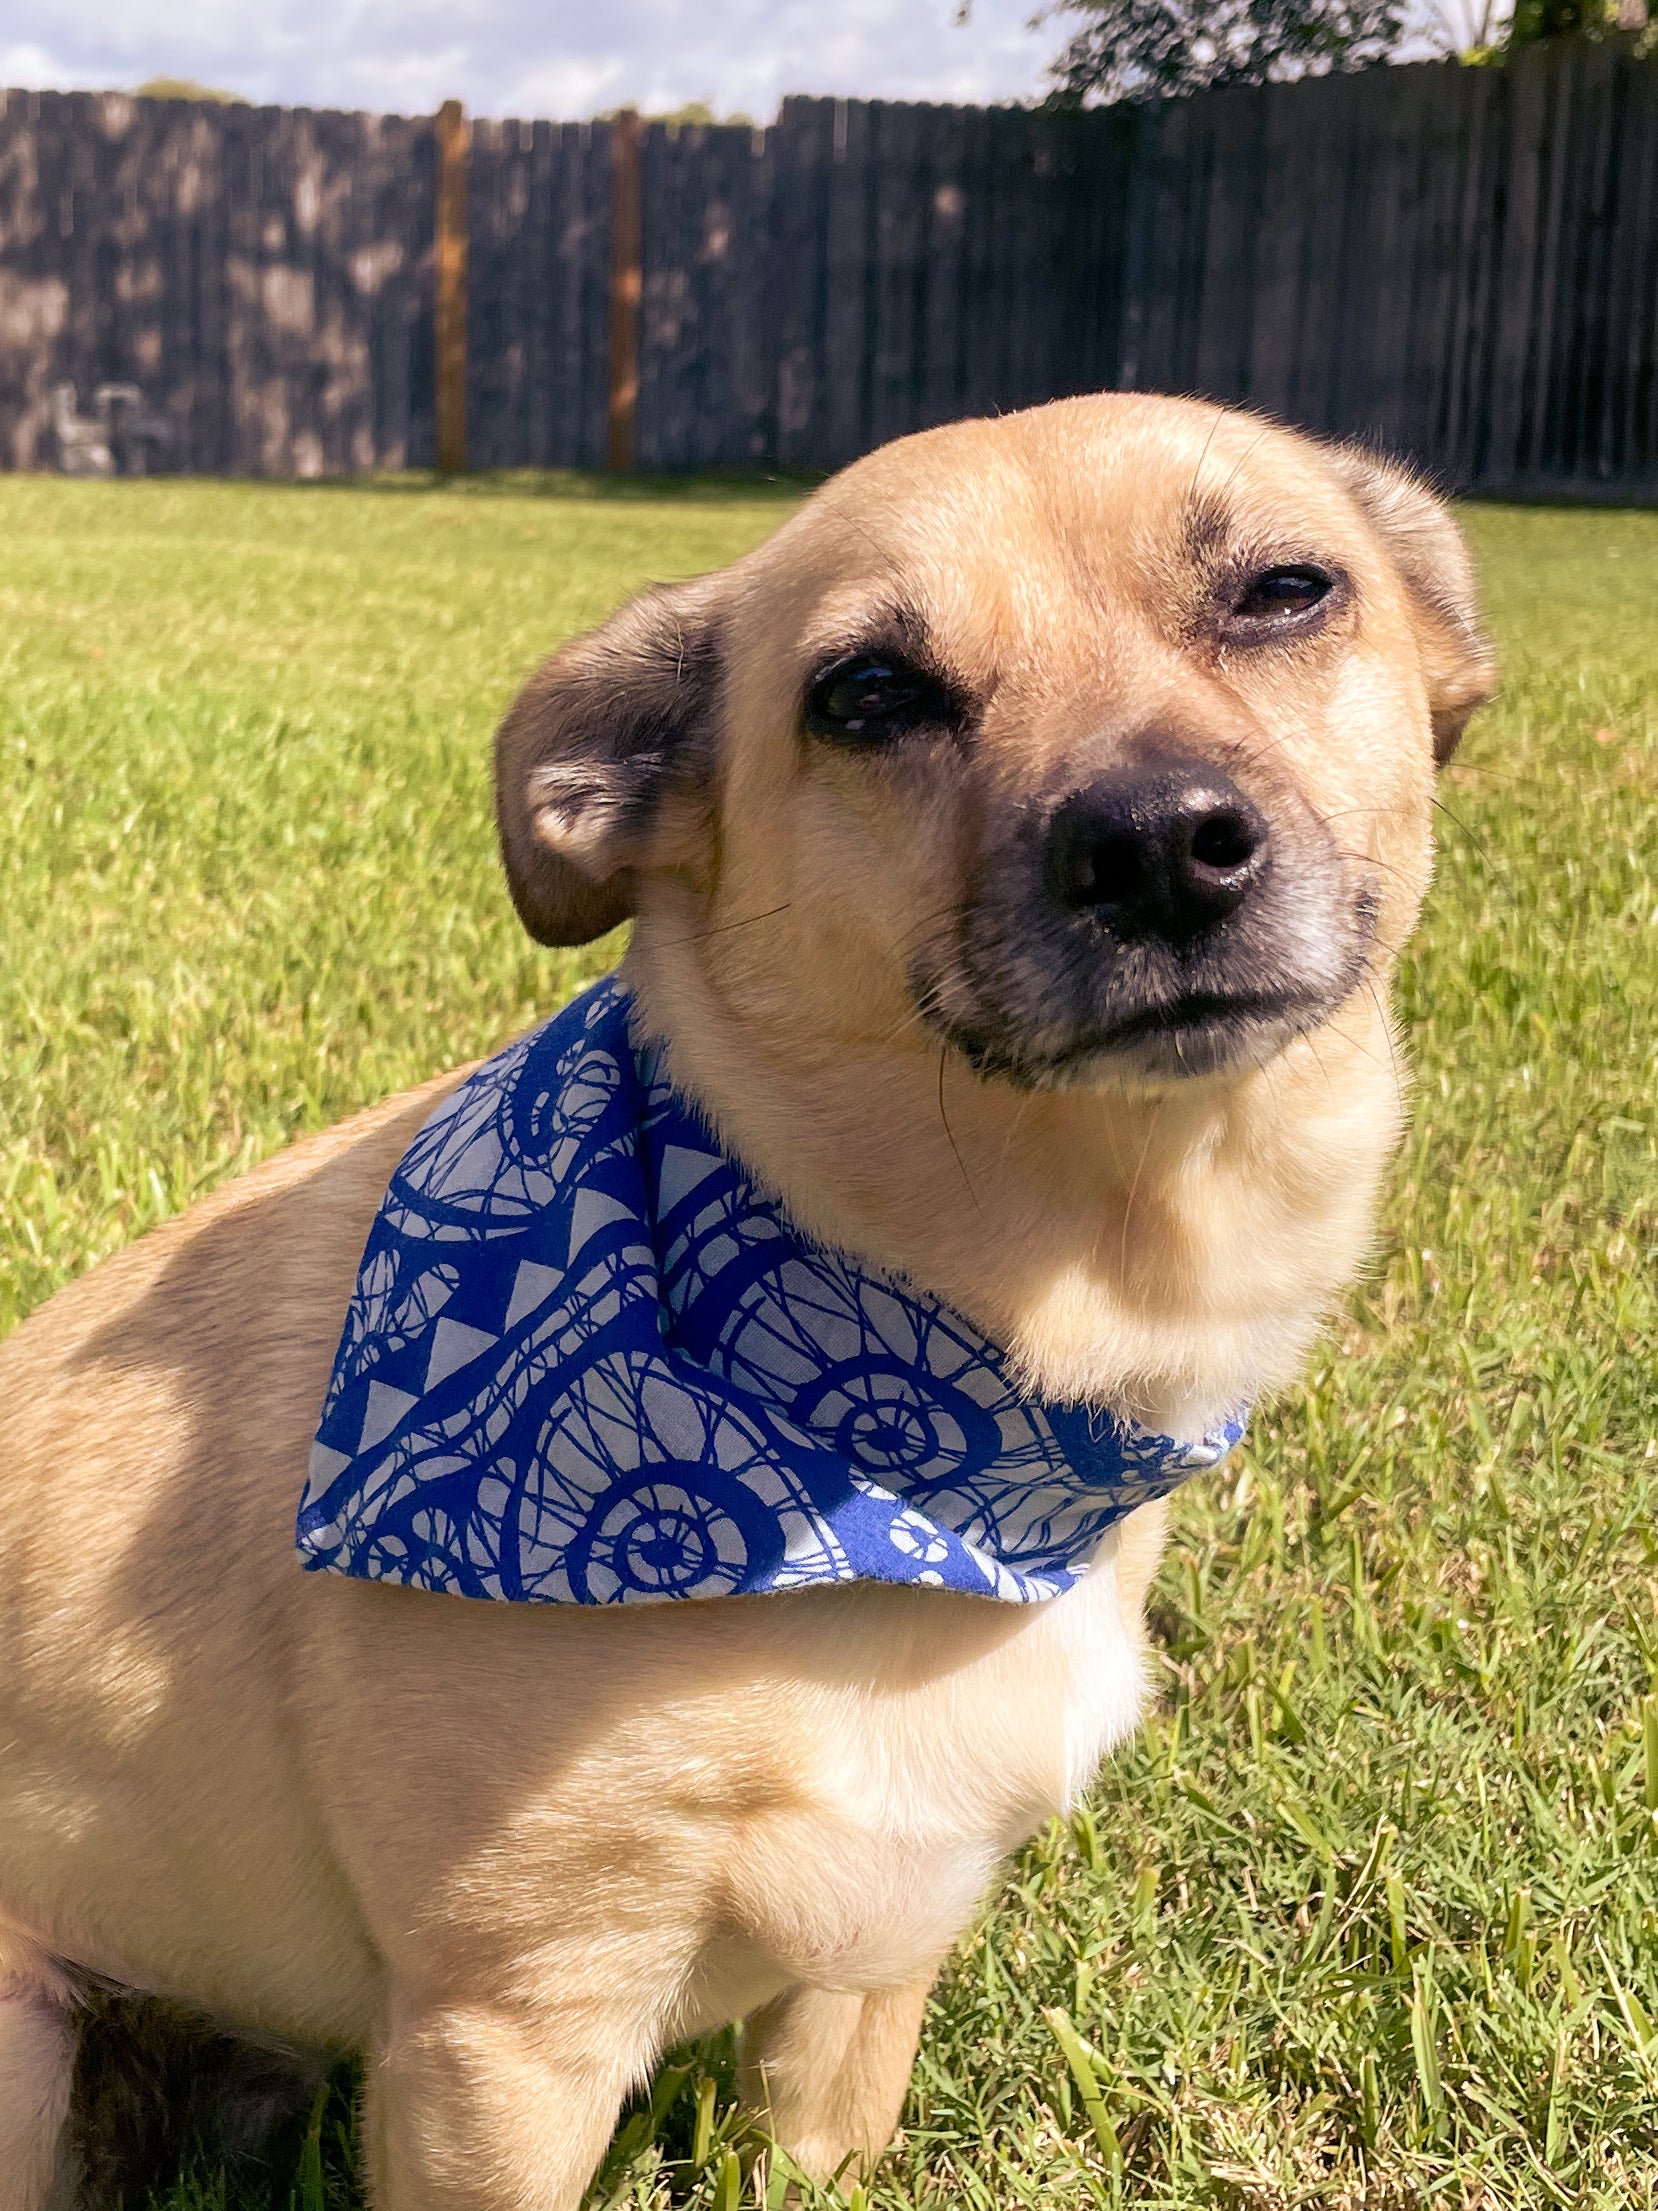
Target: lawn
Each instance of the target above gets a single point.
(1369, 1913)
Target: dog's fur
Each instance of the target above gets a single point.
(512, 1851)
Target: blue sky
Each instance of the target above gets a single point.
(511, 57)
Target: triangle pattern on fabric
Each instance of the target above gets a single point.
(453, 1345)
(593, 1210)
(386, 1408)
(682, 1170)
(325, 1464)
(532, 1285)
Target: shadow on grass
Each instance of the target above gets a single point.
(718, 489)
(1605, 500)
(683, 2117)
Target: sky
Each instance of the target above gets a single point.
(563, 59)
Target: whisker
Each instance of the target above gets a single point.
(1019, 1112)
(1441, 807)
(837, 505)
(1366, 859)
(723, 928)
(943, 1057)
(942, 913)
(914, 1018)
(1214, 429)
(1347, 813)
(1134, 1189)
(1387, 1030)
(1264, 431)
(1311, 1041)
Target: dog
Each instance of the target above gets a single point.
(1018, 846)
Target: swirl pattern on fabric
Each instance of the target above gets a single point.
(587, 1362)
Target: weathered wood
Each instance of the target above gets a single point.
(847, 263)
(791, 352)
(1631, 432)
(1439, 154)
(1032, 280)
(1457, 443)
(253, 272)
(1395, 259)
(1231, 226)
(453, 236)
(1454, 263)
(706, 390)
(1582, 335)
(1280, 252)
(626, 292)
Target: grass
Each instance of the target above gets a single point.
(1369, 1913)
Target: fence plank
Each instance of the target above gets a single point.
(1440, 272)
(848, 261)
(1631, 432)
(791, 350)
(1583, 339)
(1231, 224)
(936, 396)
(626, 286)
(1392, 264)
(453, 231)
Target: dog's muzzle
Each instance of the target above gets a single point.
(1158, 922)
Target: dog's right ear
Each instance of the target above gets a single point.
(604, 739)
(1437, 570)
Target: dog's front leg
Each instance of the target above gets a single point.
(494, 2106)
(37, 2060)
(825, 2071)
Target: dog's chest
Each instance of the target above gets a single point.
(918, 1792)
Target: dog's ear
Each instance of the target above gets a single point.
(604, 738)
(1432, 558)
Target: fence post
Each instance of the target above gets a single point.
(454, 145)
(626, 286)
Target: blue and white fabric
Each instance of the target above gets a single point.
(587, 1362)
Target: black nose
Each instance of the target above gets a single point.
(1165, 849)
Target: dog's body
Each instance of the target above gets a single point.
(513, 1851)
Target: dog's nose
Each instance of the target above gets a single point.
(1159, 850)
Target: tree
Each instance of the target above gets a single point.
(186, 88)
(1534, 19)
(1157, 49)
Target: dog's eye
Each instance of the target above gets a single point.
(1278, 593)
(865, 698)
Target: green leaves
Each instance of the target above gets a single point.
(1085, 2071)
(1423, 2028)
(1161, 49)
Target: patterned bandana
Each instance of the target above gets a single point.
(586, 1362)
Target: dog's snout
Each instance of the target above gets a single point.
(1164, 850)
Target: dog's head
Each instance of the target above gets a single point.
(1097, 742)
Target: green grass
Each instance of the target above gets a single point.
(1369, 1913)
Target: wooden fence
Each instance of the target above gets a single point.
(1461, 264)
(264, 275)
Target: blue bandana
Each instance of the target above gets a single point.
(586, 1362)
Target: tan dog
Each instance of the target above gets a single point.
(1020, 844)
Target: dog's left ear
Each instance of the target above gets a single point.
(1432, 558)
(606, 739)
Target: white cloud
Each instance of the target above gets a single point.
(512, 57)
